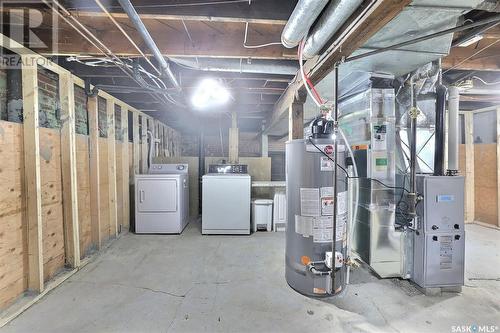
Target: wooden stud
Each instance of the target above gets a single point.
(264, 141)
(125, 167)
(69, 176)
(95, 193)
(31, 146)
(151, 128)
(144, 144)
(113, 209)
(233, 139)
(296, 121)
(136, 145)
(498, 166)
(469, 168)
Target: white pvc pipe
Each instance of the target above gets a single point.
(355, 215)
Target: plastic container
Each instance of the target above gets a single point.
(262, 214)
(279, 215)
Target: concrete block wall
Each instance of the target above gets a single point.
(3, 94)
(49, 108)
(249, 145)
(81, 117)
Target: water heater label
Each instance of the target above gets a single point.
(445, 252)
(309, 201)
(326, 164)
(323, 229)
(304, 225)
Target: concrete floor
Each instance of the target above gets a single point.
(194, 283)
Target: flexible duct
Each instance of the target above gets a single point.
(453, 134)
(302, 18)
(280, 67)
(335, 15)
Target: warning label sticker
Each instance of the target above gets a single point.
(309, 202)
(321, 227)
(445, 252)
(303, 225)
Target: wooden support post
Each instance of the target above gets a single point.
(498, 166)
(69, 176)
(469, 168)
(31, 145)
(264, 145)
(296, 121)
(113, 221)
(144, 144)
(125, 168)
(151, 128)
(233, 139)
(137, 148)
(95, 193)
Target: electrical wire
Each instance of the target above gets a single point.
(255, 46)
(315, 97)
(98, 2)
(486, 83)
(471, 56)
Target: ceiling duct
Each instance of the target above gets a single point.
(334, 16)
(302, 18)
(278, 67)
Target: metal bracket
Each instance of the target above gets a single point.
(90, 92)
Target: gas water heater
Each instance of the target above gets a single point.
(316, 242)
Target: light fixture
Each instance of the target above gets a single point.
(471, 41)
(210, 93)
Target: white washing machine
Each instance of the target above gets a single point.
(162, 199)
(226, 202)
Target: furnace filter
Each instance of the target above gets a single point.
(309, 232)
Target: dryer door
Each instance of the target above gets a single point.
(157, 195)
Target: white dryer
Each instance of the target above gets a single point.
(162, 199)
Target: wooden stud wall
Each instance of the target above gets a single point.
(480, 163)
(53, 203)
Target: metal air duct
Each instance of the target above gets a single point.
(335, 15)
(302, 18)
(439, 131)
(453, 125)
(279, 67)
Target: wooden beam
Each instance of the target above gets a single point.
(264, 142)
(481, 56)
(498, 166)
(137, 148)
(95, 193)
(125, 168)
(69, 176)
(195, 18)
(469, 168)
(296, 121)
(31, 145)
(207, 39)
(113, 208)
